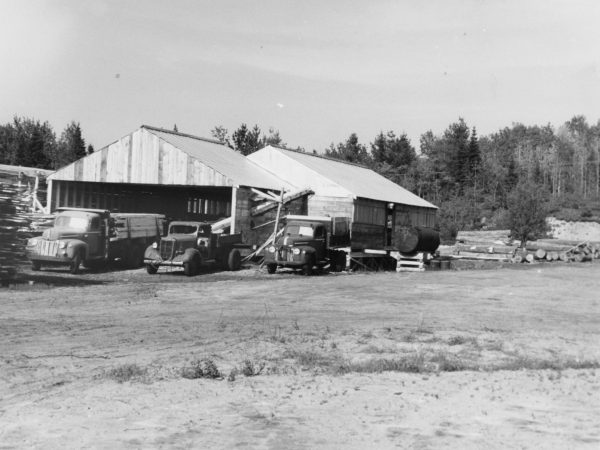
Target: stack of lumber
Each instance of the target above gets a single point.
(490, 245)
(14, 208)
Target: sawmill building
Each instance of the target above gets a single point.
(153, 170)
(379, 208)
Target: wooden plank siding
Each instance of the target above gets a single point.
(322, 205)
(369, 223)
(142, 158)
(414, 216)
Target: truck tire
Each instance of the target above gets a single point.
(307, 268)
(151, 269)
(234, 260)
(189, 268)
(36, 265)
(75, 263)
(271, 268)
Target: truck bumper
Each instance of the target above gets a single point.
(65, 259)
(158, 262)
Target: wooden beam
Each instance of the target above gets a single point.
(264, 195)
(260, 209)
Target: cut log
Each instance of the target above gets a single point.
(540, 253)
(496, 249)
(562, 256)
(548, 247)
(577, 257)
(483, 236)
(529, 257)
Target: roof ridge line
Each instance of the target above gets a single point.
(177, 133)
(316, 155)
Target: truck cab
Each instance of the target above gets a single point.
(307, 242)
(77, 236)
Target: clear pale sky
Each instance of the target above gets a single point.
(315, 70)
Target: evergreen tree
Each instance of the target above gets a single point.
(350, 151)
(71, 146)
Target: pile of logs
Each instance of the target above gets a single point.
(497, 246)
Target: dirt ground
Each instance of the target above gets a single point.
(505, 358)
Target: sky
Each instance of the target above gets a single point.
(317, 71)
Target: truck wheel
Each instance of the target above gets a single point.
(307, 268)
(234, 261)
(189, 268)
(271, 268)
(197, 264)
(74, 267)
(151, 269)
(36, 265)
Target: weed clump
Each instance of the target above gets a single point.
(249, 369)
(126, 372)
(201, 368)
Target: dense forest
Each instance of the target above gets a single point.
(476, 181)
(508, 180)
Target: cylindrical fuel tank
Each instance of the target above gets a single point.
(416, 239)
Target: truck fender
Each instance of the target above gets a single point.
(151, 252)
(190, 254)
(77, 246)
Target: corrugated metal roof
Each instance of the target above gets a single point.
(221, 158)
(359, 180)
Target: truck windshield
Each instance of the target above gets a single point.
(79, 223)
(295, 229)
(183, 229)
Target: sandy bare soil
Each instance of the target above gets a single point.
(454, 359)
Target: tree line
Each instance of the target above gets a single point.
(476, 181)
(509, 179)
(31, 143)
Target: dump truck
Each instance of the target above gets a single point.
(317, 242)
(193, 245)
(93, 237)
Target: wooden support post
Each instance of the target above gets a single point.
(48, 208)
(277, 217)
(233, 209)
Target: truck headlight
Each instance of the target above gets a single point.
(296, 251)
(155, 245)
(62, 244)
(271, 249)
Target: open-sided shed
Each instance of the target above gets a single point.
(379, 208)
(153, 170)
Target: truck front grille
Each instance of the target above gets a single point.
(47, 248)
(166, 249)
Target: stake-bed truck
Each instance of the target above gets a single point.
(191, 246)
(93, 237)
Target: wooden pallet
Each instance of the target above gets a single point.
(412, 263)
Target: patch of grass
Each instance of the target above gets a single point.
(528, 363)
(126, 372)
(462, 340)
(201, 368)
(447, 363)
(249, 369)
(313, 359)
(375, 349)
(414, 363)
